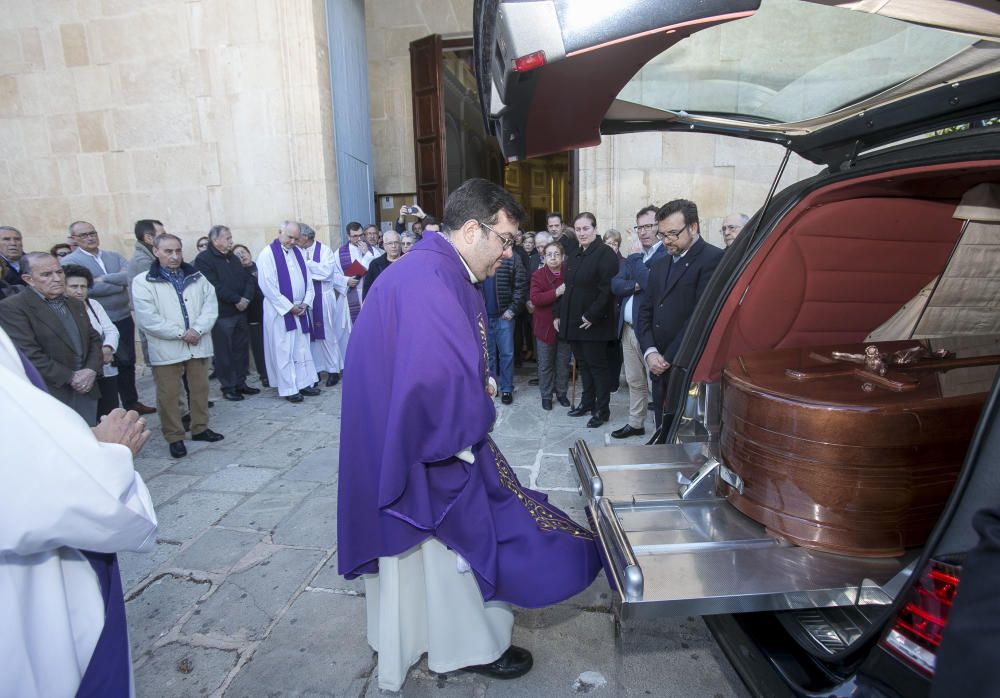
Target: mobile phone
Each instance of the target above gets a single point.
(410, 210)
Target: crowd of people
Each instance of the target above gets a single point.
(566, 298)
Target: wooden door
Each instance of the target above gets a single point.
(428, 124)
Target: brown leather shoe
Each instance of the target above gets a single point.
(140, 408)
(515, 662)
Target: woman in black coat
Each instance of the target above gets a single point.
(587, 318)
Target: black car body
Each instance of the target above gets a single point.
(901, 110)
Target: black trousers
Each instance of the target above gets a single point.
(108, 386)
(592, 365)
(257, 347)
(615, 360)
(125, 358)
(231, 341)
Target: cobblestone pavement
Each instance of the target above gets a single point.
(241, 596)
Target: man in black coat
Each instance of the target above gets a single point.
(676, 283)
(54, 333)
(235, 287)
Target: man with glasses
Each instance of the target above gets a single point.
(354, 253)
(429, 510)
(732, 225)
(393, 250)
(675, 285)
(111, 290)
(504, 293)
(629, 285)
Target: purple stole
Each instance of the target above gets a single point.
(109, 672)
(285, 283)
(353, 299)
(318, 328)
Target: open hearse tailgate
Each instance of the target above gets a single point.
(671, 546)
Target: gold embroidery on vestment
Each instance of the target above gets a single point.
(545, 517)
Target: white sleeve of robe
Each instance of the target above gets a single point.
(62, 491)
(322, 270)
(310, 289)
(267, 280)
(338, 278)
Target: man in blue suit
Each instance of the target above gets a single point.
(676, 283)
(629, 285)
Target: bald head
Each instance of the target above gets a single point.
(288, 234)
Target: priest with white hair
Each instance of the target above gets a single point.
(286, 284)
(327, 353)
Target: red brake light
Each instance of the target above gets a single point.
(916, 635)
(529, 62)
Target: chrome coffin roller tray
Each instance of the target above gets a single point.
(700, 556)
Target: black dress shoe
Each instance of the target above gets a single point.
(309, 392)
(207, 435)
(515, 662)
(580, 411)
(211, 404)
(627, 431)
(562, 400)
(595, 421)
(186, 421)
(247, 390)
(178, 450)
(263, 381)
(140, 408)
(294, 398)
(332, 379)
(232, 396)
(506, 398)
(546, 403)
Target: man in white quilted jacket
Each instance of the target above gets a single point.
(176, 307)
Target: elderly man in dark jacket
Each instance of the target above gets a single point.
(54, 333)
(235, 287)
(505, 294)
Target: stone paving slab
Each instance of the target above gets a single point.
(327, 578)
(237, 478)
(155, 610)
(319, 466)
(192, 512)
(248, 600)
(218, 550)
(208, 460)
(164, 486)
(264, 510)
(313, 524)
(316, 649)
(137, 566)
(182, 670)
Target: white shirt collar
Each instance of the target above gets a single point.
(652, 250)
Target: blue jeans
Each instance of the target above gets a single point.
(500, 341)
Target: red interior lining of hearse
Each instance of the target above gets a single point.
(843, 262)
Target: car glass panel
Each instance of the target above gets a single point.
(790, 62)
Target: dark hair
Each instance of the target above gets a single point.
(82, 272)
(165, 236)
(216, 231)
(146, 226)
(586, 214)
(688, 208)
(646, 209)
(557, 245)
(554, 214)
(245, 248)
(196, 243)
(352, 226)
(58, 246)
(26, 262)
(429, 220)
(480, 200)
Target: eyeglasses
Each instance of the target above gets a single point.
(644, 228)
(506, 240)
(672, 234)
(91, 234)
(553, 255)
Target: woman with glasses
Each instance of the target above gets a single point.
(60, 250)
(547, 287)
(587, 318)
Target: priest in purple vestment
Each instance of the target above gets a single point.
(430, 512)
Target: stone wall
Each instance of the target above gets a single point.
(390, 26)
(196, 112)
(722, 175)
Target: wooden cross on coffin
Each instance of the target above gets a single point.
(869, 367)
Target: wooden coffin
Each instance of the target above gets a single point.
(852, 455)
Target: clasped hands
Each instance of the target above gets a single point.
(299, 309)
(125, 428)
(83, 380)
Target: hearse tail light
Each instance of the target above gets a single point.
(529, 62)
(916, 634)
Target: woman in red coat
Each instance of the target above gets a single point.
(552, 354)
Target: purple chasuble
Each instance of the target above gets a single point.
(353, 299)
(285, 283)
(109, 672)
(416, 376)
(318, 326)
